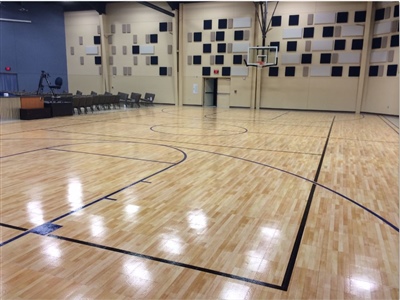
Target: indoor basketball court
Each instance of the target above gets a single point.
(192, 202)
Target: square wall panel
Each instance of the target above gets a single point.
(207, 24)
(163, 71)
(376, 43)
(219, 59)
(342, 17)
(206, 48)
(327, 31)
(357, 44)
(237, 59)
(391, 70)
(291, 46)
(354, 71)
(197, 59)
(394, 40)
(379, 14)
(153, 38)
(197, 36)
(373, 71)
(273, 71)
(163, 26)
(340, 45)
(276, 21)
(222, 23)
(308, 32)
(221, 48)
(238, 35)
(226, 71)
(97, 40)
(290, 71)
(293, 20)
(154, 60)
(276, 44)
(337, 71)
(360, 16)
(220, 36)
(206, 71)
(306, 58)
(325, 58)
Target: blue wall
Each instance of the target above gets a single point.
(29, 48)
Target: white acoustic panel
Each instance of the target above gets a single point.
(325, 18)
(385, 27)
(146, 49)
(320, 71)
(379, 56)
(322, 45)
(352, 30)
(241, 22)
(169, 71)
(230, 23)
(286, 58)
(349, 58)
(92, 50)
(240, 47)
(239, 71)
(292, 33)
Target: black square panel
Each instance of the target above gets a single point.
(238, 35)
(219, 59)
(376, 43)
(379, 14)
(391, 70)
(206, 48)
(357, 44)
(206, 71)
(273, 71)
(394, 40)
(163, 26)
(396, 11)
(135, 50)
(222, 23)
(221, 48)
(293, 20)
(226, 71)
(276, 21)
(342, 17)
(290, 71)
(360, 16)
(340, 45)
(327, 31)
(207, 24)
(373, 71)
(153, 38)
(97, 40)
(291, 46)
(97, 60)
(337, 71)
(163, 71)
(275, 44)
(220, 36)
(325, 58)
(308, 32)
(197, 37)
(154, 60)
(197, 59)
(354, 71)
(237, 59)
(306, 58)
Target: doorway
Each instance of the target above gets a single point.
(210, 92)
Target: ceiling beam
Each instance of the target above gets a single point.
(157, 8)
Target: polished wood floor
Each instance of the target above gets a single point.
(200, 203)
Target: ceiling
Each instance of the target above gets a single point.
(100, 7)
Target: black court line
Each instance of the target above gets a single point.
(210, 129)
(170, 262)
(99, 199)
(179, 142)
(108, 198)
(300, 232)
(13, 227)
(199, 135)
(108, 155)
(390, 124)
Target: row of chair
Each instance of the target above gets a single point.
(108, 101)
(93, 102)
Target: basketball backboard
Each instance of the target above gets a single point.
(265, 56)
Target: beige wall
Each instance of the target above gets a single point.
(303, 91)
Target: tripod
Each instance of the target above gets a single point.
(44, 76)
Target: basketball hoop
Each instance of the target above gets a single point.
(260, 64)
